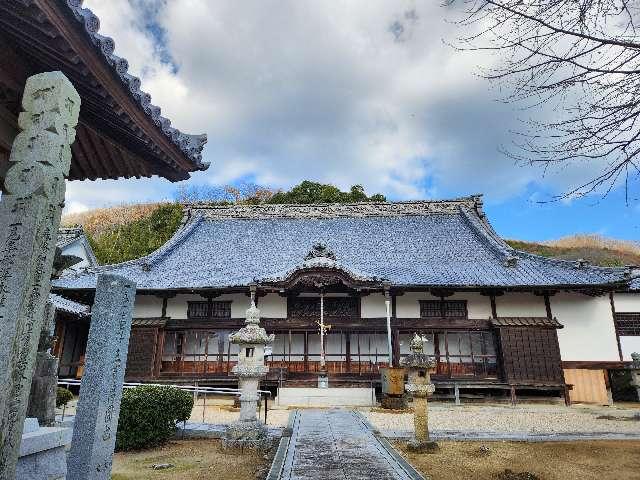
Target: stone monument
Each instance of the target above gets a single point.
(419, 366)
(635, 372)
(30, 211)
(96, 422)
(249, 431)
(42, 400)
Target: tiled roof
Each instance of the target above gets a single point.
(634, 285)
(69, 306)
(424, 243)
(68, 235)
(190, 145)
(526, 322)
(149, 322)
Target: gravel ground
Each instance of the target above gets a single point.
(535, 419)
(541, 419)
(224, 415)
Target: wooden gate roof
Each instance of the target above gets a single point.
(120, 132)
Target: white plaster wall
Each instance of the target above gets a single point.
(147, 306)
(177, 306)
(479, 306)
(517, 304)
(626, 302)
(77, 249)
(588, 332)
(272, 306)
(408, 305)
(239, 303)
(629, 345)
(372, 306)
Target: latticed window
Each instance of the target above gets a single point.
(628, 324)
(454, 308)
(221, 309)
(198, 310)
(333, 307)
(443, 308)
(201, 310)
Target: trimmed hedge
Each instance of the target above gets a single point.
(148, 415)
(63, 396)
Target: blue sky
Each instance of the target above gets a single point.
(342, 92)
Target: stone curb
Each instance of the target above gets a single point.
(406, 466)
(193, 430)
(45, 438)
(283, 447)
(515, 436)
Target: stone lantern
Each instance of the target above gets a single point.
(249, 431)
(420, 366)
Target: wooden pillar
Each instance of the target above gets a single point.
(615, 326)
(160, 334)
(547, 305)
(306, 351)
(494, 308)
(348, 350)
(163, 314)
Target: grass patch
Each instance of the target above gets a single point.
(583, 460)
(192, 460)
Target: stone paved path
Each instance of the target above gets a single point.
(336, 444)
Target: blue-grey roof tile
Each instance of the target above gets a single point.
(447, 243)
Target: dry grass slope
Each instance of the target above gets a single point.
(102, 220)
(598, 250)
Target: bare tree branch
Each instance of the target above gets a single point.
(580, 59)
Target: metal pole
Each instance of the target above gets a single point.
(387, 303)
(322, 359)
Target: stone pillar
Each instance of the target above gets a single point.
(42, 400)
(96, 422)
(421, 419)
(30, 213)
(635, 372)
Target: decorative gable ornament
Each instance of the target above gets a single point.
(320, 250)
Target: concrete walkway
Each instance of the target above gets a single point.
(337, 444)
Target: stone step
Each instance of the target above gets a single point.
(325, 397)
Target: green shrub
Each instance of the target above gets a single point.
(63, 396)
(148, 415)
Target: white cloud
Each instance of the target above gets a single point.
(343, 91)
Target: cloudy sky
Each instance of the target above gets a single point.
(342, 92)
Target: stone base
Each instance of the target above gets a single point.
(325, 397)
(42, 452)
(247, 435)
(323, 381)
(422, 447)
(393, 402)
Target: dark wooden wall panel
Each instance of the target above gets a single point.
(531, 355)
(142, 353)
